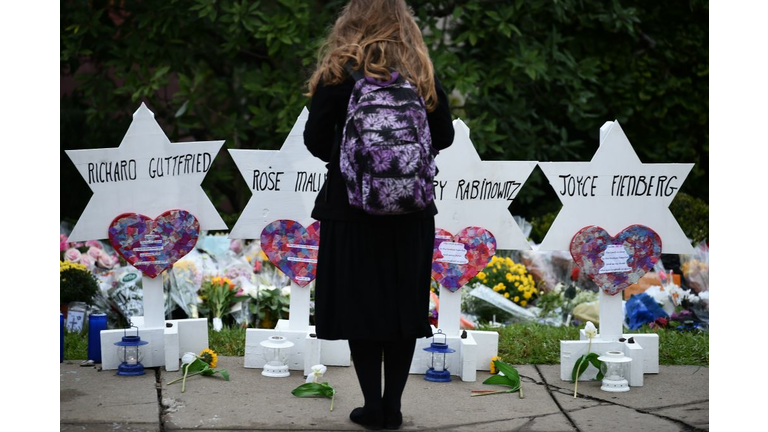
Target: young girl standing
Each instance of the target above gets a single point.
(373, 271)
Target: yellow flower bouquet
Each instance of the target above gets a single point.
(507, 278)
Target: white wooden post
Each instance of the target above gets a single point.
(449, 316)
(299, 309)
(154, 304)
(611, 316)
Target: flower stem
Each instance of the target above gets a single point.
(184, 381)
(521, 392)
(333, 397)
(182, 378)
(492, 392)
(576, 384)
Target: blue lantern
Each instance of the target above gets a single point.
(438, 365)
(130, 352)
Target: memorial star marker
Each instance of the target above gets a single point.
(613, 193)
(284, 184)
(146, 176)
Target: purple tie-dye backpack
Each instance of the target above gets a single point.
(387, 159)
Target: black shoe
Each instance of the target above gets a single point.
(393, 421)
(366, 419)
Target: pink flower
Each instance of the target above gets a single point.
(87, 261)
(106, 261)
(95, 253)
(72, 255)
(94, 244)
(236, 246)
(63, 246)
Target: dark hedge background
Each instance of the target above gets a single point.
(533, 79)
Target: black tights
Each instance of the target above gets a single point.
(366, 355)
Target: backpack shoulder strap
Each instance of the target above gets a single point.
(357, 75)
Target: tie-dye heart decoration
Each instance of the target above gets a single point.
(292, 248)
(458, 258)
(154, 245)
(615, 263)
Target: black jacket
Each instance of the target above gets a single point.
(322, 136)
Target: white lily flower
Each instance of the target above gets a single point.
(188, 357)
(590, 330)
(317, 373)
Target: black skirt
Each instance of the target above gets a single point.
(373, 278)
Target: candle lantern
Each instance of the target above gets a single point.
(615, 369)
(130, 351)
(276, 357)
(438, 362)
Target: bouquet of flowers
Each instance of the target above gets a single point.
(695, 268)
(506, 278)
(219, 294)
(270, 304)
(185, 281)
(92, 254)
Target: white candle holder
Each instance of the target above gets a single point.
(615, 369)
(277, 360)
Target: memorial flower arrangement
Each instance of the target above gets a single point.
(186, 279)
(270, 304)
(509, 279)
(199, 364)
(559, 302)
(218, 295)
(314, 388)
(76, 283)
(91, 254)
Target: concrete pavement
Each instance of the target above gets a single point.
(677, 399)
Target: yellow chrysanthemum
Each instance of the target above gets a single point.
(523, 303)
(506, 295)
(69, 265)
(482, 276)
(516, 299)
(209, 356)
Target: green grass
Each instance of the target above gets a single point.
(230, 341)
(518, 344)
(540, 344)
(75, 346)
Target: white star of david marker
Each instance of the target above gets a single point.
(473, 192)
(615, 190)
(146, 174)
(284, 183)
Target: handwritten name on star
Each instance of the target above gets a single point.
(618, 185)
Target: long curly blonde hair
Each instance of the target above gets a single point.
(380, 35)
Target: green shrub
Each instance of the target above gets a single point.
(76, 283)
(693, 216)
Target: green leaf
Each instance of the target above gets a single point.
(197, 365)
(509, 372)
(313, 389)
(583, 363)
(499, 380)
